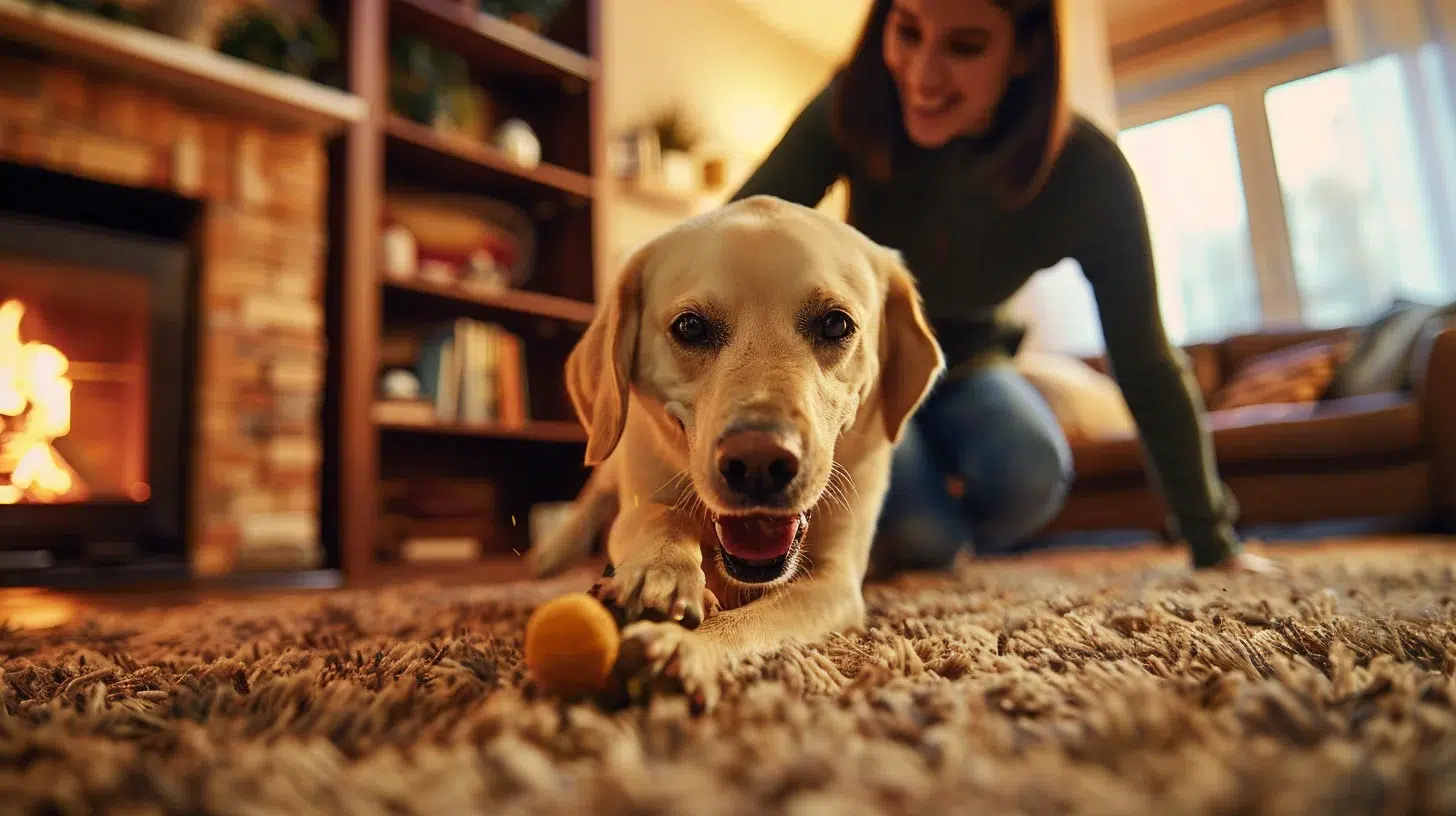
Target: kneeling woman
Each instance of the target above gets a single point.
(949, 126)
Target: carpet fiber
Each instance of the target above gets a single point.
(1106, 685)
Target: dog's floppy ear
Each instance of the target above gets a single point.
(910, 358)
(599, 368)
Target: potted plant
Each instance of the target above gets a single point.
(414, 79)
(306, 47)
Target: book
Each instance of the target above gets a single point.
(440, 550)
(470, 371)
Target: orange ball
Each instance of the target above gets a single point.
(571, 645)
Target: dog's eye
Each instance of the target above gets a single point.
(835, 327)
(691, 329)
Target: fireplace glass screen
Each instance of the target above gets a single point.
(73, 384)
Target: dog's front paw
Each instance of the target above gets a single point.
(660, 590)
(687, 661)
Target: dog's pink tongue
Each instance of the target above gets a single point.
(757, 538)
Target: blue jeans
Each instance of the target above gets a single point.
(993, 431)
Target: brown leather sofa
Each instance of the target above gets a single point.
(1390, 456)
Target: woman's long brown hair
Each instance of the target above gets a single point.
(1029, 126)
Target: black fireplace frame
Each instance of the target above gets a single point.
(67, 220)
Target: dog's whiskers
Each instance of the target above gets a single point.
(687, 499)
(840, 488)
(846, 478)
(678, 504)
(676, 477)
(804, 568)
(674, 485)
(837, 498)
(701, 508)
(739, 591)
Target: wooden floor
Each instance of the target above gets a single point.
(37, 608)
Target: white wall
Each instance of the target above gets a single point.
(1057, 303)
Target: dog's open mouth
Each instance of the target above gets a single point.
(758, 548)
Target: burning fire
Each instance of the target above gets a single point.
(35, 410)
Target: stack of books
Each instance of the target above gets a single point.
(445, 520)
(470, 372)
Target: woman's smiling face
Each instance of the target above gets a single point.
(951, 61)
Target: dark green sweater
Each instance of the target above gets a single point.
(970, 255)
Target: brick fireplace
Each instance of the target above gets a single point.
(259, 243)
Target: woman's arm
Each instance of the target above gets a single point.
(805, 162)
(1166, 402)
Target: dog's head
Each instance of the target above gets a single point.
(755, 336)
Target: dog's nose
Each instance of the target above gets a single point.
(757, 463)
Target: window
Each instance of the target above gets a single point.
(1188, 168)
(1361, 226)
(1295, 191)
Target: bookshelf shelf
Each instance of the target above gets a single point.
(534, 431)
(509, 300)
(503, 47)
(458, 158)
(391, 467)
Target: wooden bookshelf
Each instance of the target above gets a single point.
(550, 81)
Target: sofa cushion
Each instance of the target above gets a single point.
(1381, 359)
(1087, 403)
(1296, 374)
(1380, 424)
(1237, 352)
(1204, 360)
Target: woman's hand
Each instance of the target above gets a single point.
(1247, 562)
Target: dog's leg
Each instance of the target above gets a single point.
(591, 513)
(829, 601)
(657, 565)
(804, 610)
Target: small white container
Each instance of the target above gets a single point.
(516, 139)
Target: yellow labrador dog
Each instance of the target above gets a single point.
(749, 373)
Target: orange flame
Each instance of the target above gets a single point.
(35, 410)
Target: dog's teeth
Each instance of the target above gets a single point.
(718, 528)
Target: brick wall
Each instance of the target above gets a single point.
(261, 355)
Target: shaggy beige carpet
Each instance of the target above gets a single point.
(1103, 686)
